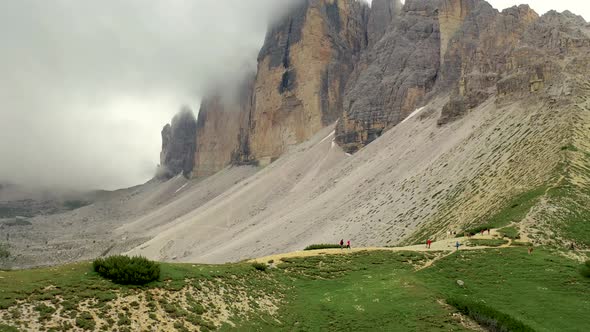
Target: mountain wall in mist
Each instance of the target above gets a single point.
(370, 68)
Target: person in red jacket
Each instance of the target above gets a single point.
(348, 244)
(428, 243)
(341, 243)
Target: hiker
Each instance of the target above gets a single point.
(457, 244)
(573, 246)
(530, 250)
(482, 231)
(488, 231)
(341, 243)
(348, 244)
(428, 242)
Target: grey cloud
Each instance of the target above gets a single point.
(87, 85)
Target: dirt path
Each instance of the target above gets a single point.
(441, 245)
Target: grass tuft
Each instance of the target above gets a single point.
(510, 232)
(4, 252)
(486, 242)
(259, 266)
(85, 321)
(586, 269)
(322, 246)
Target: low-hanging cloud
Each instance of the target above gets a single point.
(87, 85)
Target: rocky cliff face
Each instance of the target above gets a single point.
(222, 131)
(178, 145)
(372, 67)
(509, 55)
(303, 68)
(463, 50)
(394, 76)
(380, 17)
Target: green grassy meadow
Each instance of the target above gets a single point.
(366, 291)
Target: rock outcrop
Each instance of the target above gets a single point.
(393, 77)
(463, 50)
(510, 55)
(303, 69)
(380, 18)
(222, 131)
(178, 145)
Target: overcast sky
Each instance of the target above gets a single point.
(87, 85)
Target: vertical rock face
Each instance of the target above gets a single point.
(222, 131)
(381, 14)
(509, 55)
(178, 145)
(393, 77)
(303, 68)
(461, 49)
(452, 14)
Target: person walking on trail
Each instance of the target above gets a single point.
(348, 244)
(428, 243)
(488, 231)
(457, 245)
(341, 243)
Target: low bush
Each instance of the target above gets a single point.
(85, 321)
(486, 242)
(259, 266)
(522, 244)
(75, 204)
(586, 269)
(44, 311)
(126, 270)
(488, 317)
(509, 232)
(322, 246)
(569, 147)
(474, 230)
(4, 252)
(8, 328)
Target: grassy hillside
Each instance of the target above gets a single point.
(533, 177)
(377, 290)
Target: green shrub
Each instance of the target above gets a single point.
(569, 147)
(510, 232)
(4, 252)
(127, 270)
(488, 317)
(322, 246)
(85, 321)
(45, 311)
(474, 230)
(75, 204)
(259, 266)
(486, 242)
(586, 269)
(8, 328)
(123, 319)
(522, 244)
